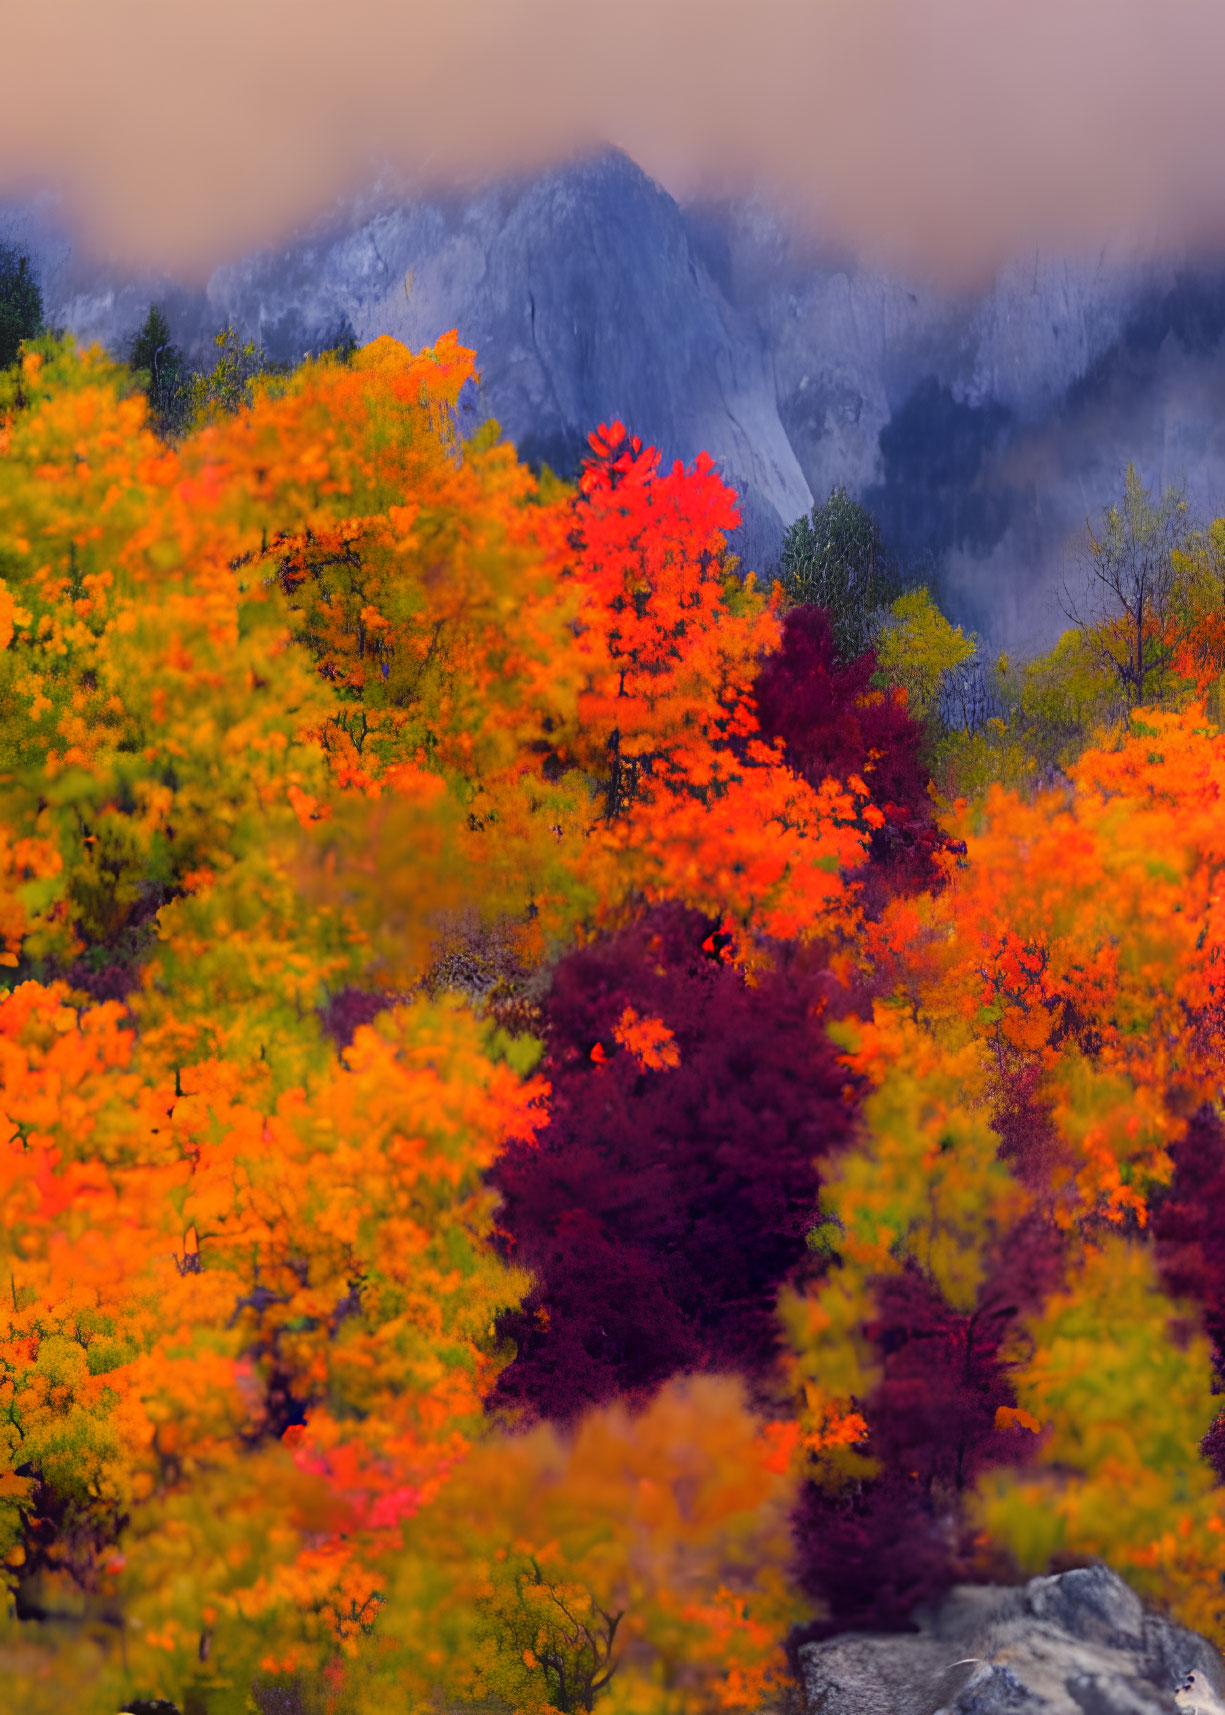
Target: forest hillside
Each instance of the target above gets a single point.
(573, 1117)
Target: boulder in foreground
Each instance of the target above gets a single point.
(1079, 1643)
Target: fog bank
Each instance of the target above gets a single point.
(940, 137)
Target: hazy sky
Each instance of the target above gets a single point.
(939, 134)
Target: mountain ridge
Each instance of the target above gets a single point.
(980, 427)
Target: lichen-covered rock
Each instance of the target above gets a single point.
(1079, 1643)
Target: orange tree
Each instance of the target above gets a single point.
(279, 704)
(197, 1250)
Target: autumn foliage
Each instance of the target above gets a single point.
(669, 1194)
(537, 1161)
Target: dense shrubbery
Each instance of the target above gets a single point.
(540, 1155)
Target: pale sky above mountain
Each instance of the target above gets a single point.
(938, 135)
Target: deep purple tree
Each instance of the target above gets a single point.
(834, 722)
(661, 1210)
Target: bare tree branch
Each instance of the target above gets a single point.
(1130, 585)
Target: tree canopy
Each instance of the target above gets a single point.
(541, 1155)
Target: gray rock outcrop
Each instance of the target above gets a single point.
(1079, 1643)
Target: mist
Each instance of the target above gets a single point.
(940, 138)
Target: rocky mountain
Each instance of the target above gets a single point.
(980, 427)
(580, 290)
(983, 428)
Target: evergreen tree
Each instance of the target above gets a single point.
(835, 558)
(153, 355)
(21, 303)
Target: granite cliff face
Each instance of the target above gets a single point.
(580, 291)
(981, 428)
